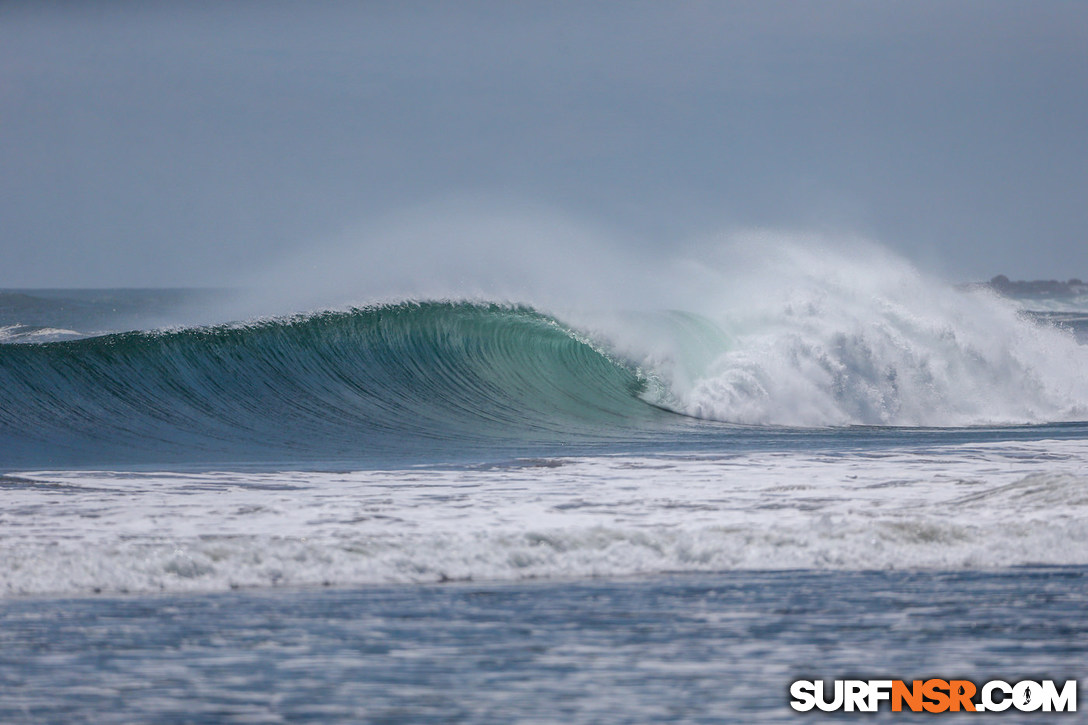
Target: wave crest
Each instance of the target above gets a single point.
(333, 384)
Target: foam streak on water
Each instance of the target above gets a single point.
(968, 506)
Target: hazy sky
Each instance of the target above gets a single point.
(146, 144)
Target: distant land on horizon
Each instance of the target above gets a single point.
(1037, 288)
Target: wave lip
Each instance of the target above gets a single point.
(331, 383)
(838, 343)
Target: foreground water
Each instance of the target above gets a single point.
(443, 511)
(692, 648)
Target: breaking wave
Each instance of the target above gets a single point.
(332, 384)
(822, 345)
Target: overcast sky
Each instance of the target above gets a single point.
(146, 144)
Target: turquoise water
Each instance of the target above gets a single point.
(440, 382)
(468, 511)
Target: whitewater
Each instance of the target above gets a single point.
(802, 435)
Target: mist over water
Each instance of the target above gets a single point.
(757, 327)
(577, 362)
(462, 250)
(519, 325)
(848, 333)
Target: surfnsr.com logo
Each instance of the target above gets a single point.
(934, 695)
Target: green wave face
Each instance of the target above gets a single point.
(368, 381)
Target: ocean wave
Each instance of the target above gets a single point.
(35, 333)
(947, 507)
(810, 337)
(336, 383)
(424, 379)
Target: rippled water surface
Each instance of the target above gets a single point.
(682, 648)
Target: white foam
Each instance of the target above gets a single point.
(809, 332)
(25, 333)
(968, 506)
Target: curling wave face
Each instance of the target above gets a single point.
(808, 347)
(333, 384)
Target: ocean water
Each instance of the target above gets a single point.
(466, 510)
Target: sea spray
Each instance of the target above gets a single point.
(757, 330)
(810, 333)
